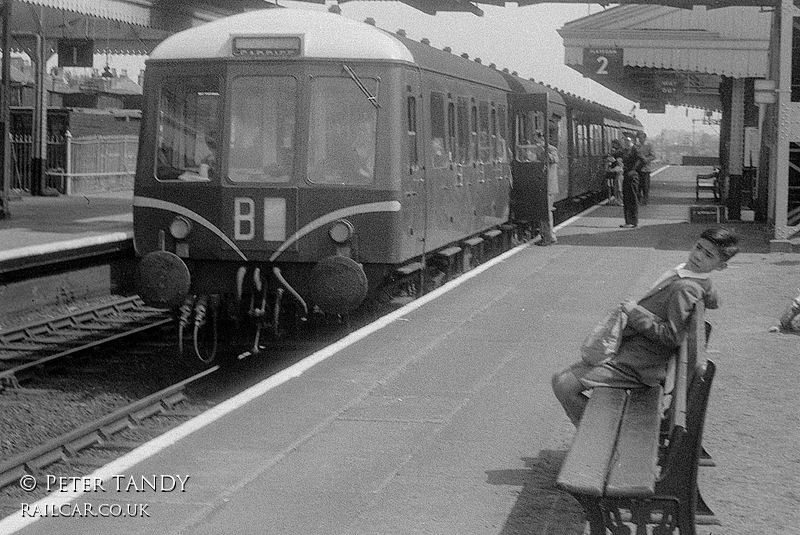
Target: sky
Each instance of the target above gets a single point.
(523, 39)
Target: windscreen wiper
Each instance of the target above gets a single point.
(373, 100)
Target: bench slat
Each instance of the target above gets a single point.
(584, 469)
(635, 468)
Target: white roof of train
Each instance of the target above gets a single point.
(325, 35)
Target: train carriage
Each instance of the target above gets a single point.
(293, 161)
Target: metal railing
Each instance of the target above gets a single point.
(70, 159)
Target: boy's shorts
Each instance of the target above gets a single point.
(604, 375)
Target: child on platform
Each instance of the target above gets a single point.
(655, 326)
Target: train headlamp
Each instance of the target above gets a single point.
(341, 231)
(180, 227)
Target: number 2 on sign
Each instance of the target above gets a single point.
(603, 61)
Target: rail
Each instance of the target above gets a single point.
(34, 344)
(100, 432)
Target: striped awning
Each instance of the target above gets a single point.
(730, 42)
(132, 12)
(747, 63)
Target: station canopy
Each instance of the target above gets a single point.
(659, 55)
(434, 6)
(115, 26)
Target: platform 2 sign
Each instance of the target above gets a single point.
(603, 62)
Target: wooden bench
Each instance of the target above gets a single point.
(709, 181)
(632, 461)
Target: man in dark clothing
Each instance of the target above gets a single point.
(632, 162)
(646, 153)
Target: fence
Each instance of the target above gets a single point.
(22, 153)
(78, 165)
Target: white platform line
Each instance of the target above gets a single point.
(16, 521)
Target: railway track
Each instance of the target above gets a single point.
(94, 444)
(35, 344)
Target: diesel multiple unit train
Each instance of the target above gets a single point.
(293, 161)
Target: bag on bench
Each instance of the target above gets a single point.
(602, 344)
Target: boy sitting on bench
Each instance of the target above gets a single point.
(655, 326)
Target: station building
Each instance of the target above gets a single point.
(717, 58)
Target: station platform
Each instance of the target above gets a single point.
(440, 419)
(50, 225)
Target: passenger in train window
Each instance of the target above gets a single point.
(531, 150)
(208, 161)
(656, 324)
(632, 163)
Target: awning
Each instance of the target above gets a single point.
(116, 26)
(664, 55)
(120, 10)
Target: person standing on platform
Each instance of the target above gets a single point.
(614, 173)
(656, 324)
(551, 163)
(647, 155)
(632, 162)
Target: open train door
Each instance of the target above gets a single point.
(531, 114)
(529, 166)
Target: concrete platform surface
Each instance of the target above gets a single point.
(443, 422)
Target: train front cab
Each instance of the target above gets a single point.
(214, 216)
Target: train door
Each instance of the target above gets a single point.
(529, 168)
(413, 182)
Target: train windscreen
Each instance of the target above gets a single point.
(342, 122)
(188, 129)
(262, 129)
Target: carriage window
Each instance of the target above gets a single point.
(413, 152)
(262, 129)
(493, 128)
(451, 130)
(342, 127)
(530, 143)
(438, 147)
(188, 130)
(462, 111)
(502, 134)
(581, 140)
(483, 133)
(473, 136)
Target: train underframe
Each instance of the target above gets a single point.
(235, 309)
